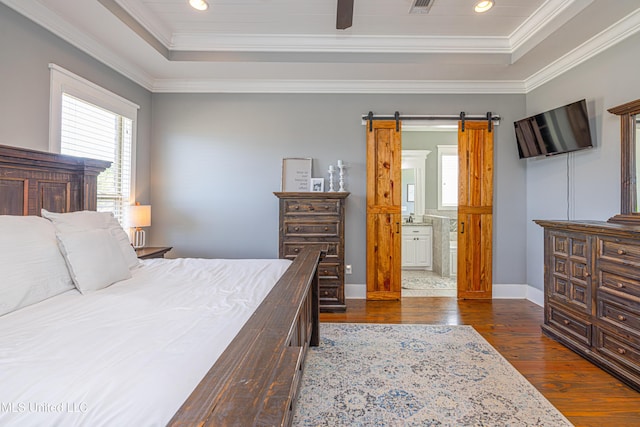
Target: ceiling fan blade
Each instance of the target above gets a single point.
(344, 17)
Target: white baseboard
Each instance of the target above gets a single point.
(536, 296)
(352, 291)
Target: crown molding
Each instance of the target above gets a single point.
(338, 86)
(543, 16)
(151, 23)
(612, 35)
(46, 18)
(339, 43)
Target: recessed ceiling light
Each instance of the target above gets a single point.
(483, 5)
(199, 4)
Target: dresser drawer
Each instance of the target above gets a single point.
(624, 351)
(330, 294)
(312, 229)
(291, 249)
(329, 270)
(311, 207)
(619, 251)
(619, 282)
(619, 312)
(568, 323)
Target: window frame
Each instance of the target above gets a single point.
(64, 81)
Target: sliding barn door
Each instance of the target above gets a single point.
(384, 152)
(475, 211)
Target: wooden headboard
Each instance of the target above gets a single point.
(31, 180)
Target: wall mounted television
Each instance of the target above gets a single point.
(556, 131)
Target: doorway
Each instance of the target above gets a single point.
(429, 210)
(385, 219)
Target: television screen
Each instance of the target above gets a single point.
(560, 130)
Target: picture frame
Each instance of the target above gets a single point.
(316, 184)
(411, 192)
(296, 173)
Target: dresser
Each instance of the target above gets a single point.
(311, 218)
(592, 293)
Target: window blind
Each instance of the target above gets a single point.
(91, 131)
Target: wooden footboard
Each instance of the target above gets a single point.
(255, 380)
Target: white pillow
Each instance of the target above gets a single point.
(90, 220)
(32, 268)
(94, 259)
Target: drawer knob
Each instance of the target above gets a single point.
(311, 208)
(296, 207)
(566, 322)
(326, 229)
(587, 274)
(621, 350)
(327, 207)
(621, 318)
(620, 285)
(622, 252)
(326, 271)
(296, 229)
(296, 250)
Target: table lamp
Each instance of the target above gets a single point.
(139, 216)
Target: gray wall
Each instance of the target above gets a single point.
(26, 50)
(216, 161)
(607, 80)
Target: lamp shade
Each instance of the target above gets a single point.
(140, 216)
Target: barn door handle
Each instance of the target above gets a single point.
(462, 228)
(397, 228)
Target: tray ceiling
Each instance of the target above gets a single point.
(293, 46)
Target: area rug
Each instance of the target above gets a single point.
(415, 375)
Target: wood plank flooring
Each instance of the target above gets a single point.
(585, 394)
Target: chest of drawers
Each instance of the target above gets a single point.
(311, 218)
(592, 293)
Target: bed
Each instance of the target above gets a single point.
(161, 345)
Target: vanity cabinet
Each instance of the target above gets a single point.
(417, 243)
(592, 293)
(311, 218)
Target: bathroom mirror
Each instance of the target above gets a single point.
(629, 152)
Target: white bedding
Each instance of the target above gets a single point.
(130, 354)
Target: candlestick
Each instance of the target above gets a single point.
(341, 166)
(331, 189)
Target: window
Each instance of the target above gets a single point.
(447, 177)
(89, 121)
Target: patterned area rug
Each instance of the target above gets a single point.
(415, 375)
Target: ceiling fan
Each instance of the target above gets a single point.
(344, 17)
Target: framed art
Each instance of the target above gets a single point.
(317, 184)
(296, 173)
(411, 193)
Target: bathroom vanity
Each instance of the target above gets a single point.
(417, 243)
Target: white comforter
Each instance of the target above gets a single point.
(130, 354)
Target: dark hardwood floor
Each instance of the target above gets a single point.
(585, 394)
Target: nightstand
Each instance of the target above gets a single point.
(157, 252)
